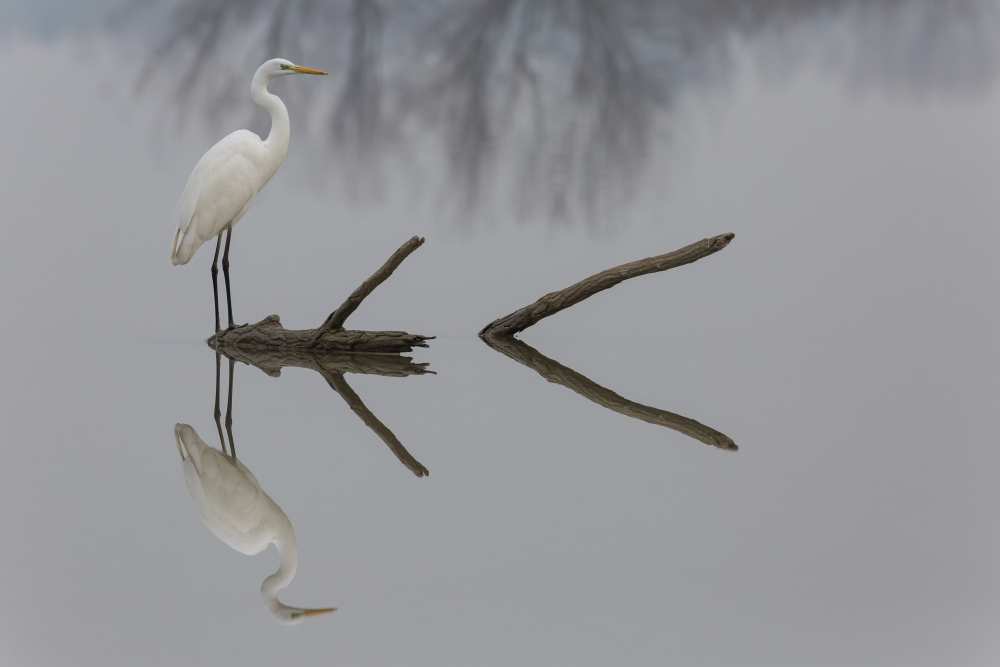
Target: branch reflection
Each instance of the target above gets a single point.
(333, 367)
(555, 372)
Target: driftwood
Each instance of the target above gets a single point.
(332, 366)
(499, 334)
(554, 372)
(553, 302)
(330, 336)
(271, 361)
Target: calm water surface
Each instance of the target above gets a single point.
(846, 341)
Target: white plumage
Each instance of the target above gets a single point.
(224, 181)
(230, 500)
(236, 509)
(219, 191)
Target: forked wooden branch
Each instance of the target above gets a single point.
(271, 361)
(499, 334)
(553, 302)
(330, 336)
(555, 372)
(269, 334)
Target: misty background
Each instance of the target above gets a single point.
(846, 340)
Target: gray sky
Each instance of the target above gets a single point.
(49, 18)
(845, 340)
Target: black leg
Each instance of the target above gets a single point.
(218, 413)
(225, 272)
(215, 280)
(229, 411)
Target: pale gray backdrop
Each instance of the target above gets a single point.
(846, 340)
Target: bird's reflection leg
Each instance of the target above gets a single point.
(229, 411)
(339, 384)
(218, 413)
(225, 273)
(215, 280)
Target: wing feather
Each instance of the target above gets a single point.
(217, 192)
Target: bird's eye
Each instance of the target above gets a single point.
(284, 66)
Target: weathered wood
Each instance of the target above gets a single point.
(338, 317)
(499, 334)
(553, 302)
(271, 361)
(556, 373)
(330, 336)
(269, 334)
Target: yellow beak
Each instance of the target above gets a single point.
(299, 69)
(317, 612)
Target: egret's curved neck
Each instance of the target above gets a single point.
(288, 551)
(277, 139)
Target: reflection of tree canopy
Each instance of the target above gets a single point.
(565, 95)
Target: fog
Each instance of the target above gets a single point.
(845, 340)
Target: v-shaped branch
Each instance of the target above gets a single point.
(270, 335)
(499, 335)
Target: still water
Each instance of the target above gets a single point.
(845, 341)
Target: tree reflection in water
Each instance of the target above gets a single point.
(552, 105)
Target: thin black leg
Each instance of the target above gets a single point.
(225, 272)
(229, 411)
(218, 413)
(215, 280)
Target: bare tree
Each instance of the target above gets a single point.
(552, 105)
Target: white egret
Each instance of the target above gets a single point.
(238, 511)
(226, 178)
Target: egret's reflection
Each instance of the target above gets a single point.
(237, 510)
(555, 372)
